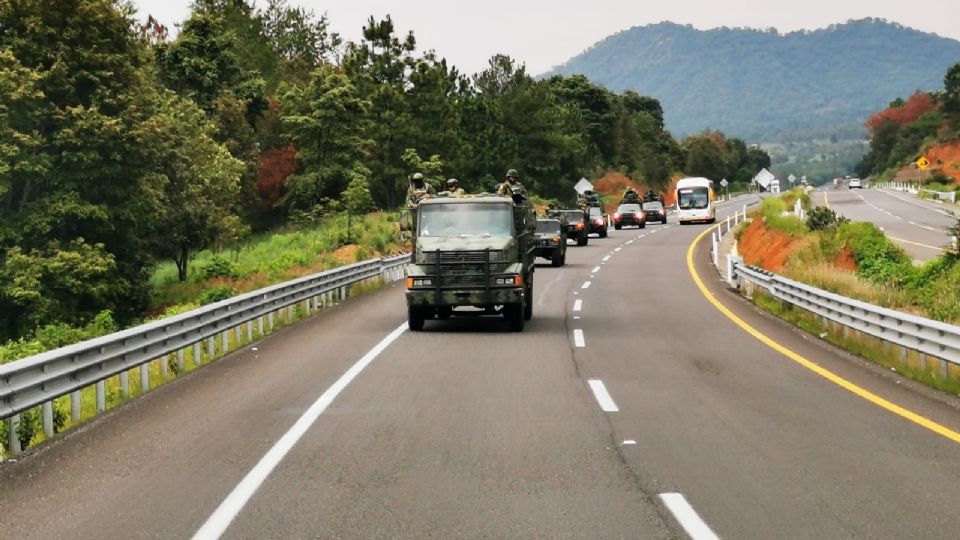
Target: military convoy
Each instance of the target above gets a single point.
(474, 254)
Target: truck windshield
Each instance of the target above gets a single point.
(548, 227)
(694, 198)
(465, 219)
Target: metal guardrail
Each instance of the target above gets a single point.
(40, 379)
(924, 335)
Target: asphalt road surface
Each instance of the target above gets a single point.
(630, 407)
(917, 226)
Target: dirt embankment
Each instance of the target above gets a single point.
(945, 157)
(764, 247)
(770, 248)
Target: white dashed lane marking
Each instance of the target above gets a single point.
(578, 340)
(578, 305)
(586, 285)
(687, 516)
(603, 397)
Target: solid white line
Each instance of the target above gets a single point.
(586, 285)
(218, 522)
(595, 270)
(578, 305)
(578, 338)
(687, 517)
(603, 397)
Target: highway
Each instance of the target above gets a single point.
(917, 226)
(630, 407)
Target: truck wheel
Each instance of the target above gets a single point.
(643, 225)
(444, 312)
(514, 315)
(582, 240)
(603, 232)
(415, 318)
(618, 226)
(556, 259)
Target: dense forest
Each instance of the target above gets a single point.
(763, 85)
(122, 146)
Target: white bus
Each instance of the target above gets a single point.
(695, 201)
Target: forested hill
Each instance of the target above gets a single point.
(757, 84)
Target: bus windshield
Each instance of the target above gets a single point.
(693, 198)
(472, 219)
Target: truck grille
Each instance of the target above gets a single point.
(461, 269)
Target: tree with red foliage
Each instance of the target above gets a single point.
(903, 112)
(276, 164)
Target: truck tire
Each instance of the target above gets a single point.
(415, 318)
(556, 259)
(603, 232)
(582, 240)
(513, 313)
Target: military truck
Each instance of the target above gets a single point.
(472, 255)
(552, 240)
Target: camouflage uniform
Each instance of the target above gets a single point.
(454, 189)
(418, 189)
(512, 186)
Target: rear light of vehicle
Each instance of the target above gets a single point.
(556, 238)
(515, 280)
(580, 225)
(599, 221)
(418, 282)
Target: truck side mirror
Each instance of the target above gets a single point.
(405, 222)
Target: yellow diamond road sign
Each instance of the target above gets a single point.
(922, 163)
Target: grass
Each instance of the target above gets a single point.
(273, 258)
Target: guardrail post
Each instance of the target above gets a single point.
(181, 364)
(249, 331)
(13, 435)
(124, 384)
(211, 347)
(716, 249)
(197, 355)
(47, 412)
(145, 377)
(101, 396)
(238, 334)
(343, 293)
(76, 408)
(260, 324)
(290, 313)
(270, 320)
(224, 342)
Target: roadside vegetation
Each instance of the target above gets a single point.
(854, 259)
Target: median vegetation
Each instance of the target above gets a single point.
(854, 259)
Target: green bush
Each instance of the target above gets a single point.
(820, 218)
(878, 259)
(215, 294)
(218, 266)
(773, 209)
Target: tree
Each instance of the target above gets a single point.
(200, 182)
(356, 197)
(325, 120)
(951, 94)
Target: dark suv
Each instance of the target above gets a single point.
(599, 221)
(577, 226)
(629, 214)
(551, 242)
(655, 211)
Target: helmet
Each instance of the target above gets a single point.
(417, 176)
(451, 182)
(512, 173)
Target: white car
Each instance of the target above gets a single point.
(856, 183)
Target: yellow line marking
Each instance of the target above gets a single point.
(826, 201)
(809, 364)
(916, 243)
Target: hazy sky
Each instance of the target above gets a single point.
(544, 33)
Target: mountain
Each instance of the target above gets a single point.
(762, 85)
